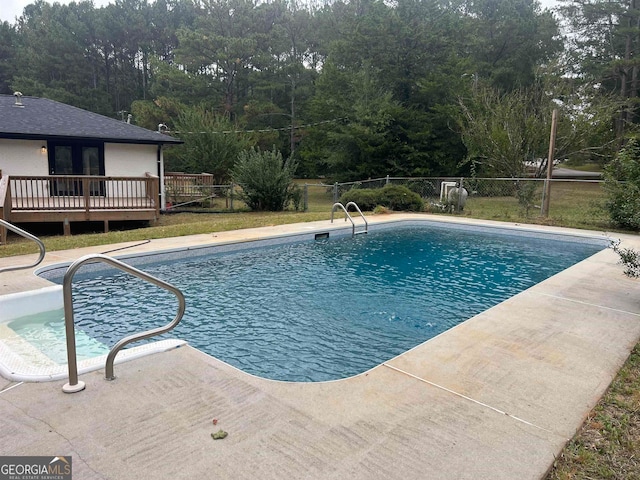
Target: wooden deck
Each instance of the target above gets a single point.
(186, 188)
(67, 198)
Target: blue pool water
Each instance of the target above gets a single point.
(327, 309)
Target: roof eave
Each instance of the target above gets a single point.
(162, 138)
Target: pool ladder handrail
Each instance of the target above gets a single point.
(346, 212)
(28, 236)
(74, 384)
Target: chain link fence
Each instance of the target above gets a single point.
(212, 198)
(510, 199)
(493, 198)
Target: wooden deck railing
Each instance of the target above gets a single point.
(82, 192)
(187, 185)
(78, 198)
(178, 179)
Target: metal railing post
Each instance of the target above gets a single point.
(349, 217)
(75, 385)
(355, 205)
(5, 204)
(8, 226)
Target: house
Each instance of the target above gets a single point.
(60, 163)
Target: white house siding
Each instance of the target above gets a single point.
(124, 160)
(23, 157)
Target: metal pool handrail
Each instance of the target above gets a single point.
(355, 205)
(346, 212)
(74, 384)
(27, 235)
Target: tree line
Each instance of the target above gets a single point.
(350, 88)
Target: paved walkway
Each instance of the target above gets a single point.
(560, 173)
(495, 398)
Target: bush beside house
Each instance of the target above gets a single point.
(266, 179)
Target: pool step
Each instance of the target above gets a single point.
(19, 347)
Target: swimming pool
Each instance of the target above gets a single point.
(326, 309)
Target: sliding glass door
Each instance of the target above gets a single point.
(77, 158)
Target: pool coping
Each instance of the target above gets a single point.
(501, 397)
(27, 363)
(25, 280)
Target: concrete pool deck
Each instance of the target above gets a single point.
(497, 397)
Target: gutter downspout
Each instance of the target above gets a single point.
(161, 177)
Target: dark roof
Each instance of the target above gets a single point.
(41, 118)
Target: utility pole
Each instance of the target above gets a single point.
(550, 160)
(292, 133)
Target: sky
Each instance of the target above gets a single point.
(10, 9)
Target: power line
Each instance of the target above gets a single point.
(266, 130)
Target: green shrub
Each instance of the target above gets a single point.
(424, 188)
(622, 183)
(266, 179)
(394, 197)
(380, 210)
(629, 257)
(296, 195)
(526, 193)
(366, 198)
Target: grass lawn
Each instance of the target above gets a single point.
(170, 225)
(575, 205)
(607, 446)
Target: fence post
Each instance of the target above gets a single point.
(544, 196)
(387, 182)
(231, 196)
(305, 198)
(550, 159)
(335, 192)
